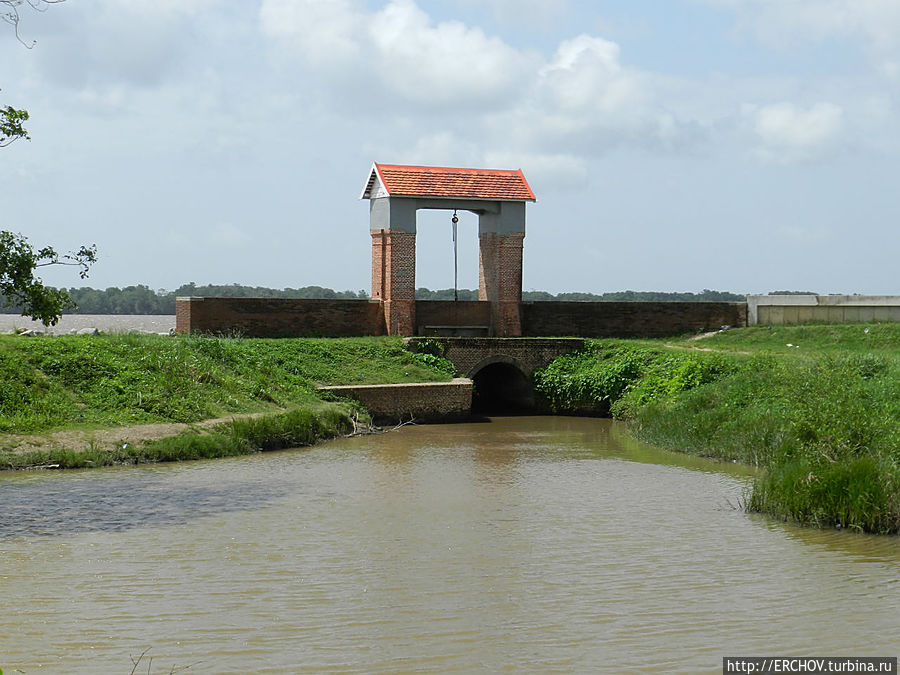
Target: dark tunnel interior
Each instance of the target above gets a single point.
(502, 389)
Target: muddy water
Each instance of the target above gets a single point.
(108, 323)
(525, 545)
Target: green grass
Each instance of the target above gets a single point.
(823, 419)
(114, 380)
(874, 338)
(295, 428)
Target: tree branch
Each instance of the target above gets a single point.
(9, 12)
(18, 261)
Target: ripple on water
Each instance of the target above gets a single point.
(525, 545)
(62, 504)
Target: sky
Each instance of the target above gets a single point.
(673, 145)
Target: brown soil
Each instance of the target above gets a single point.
(108, 439)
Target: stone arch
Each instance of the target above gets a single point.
(502, 386)
(497, 358)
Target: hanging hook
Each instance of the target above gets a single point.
(455, 220)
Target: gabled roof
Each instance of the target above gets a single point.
(447, 183)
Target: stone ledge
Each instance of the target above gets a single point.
(422, 401)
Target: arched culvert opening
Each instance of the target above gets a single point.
(502, 389)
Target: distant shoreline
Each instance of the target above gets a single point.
(107, 323)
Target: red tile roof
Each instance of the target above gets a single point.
(450, 183)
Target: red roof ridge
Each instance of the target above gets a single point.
(447, 168)
(447, 182)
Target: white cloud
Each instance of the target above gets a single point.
(876, 23)
(544, 171)
(476, 88)
(323, 31)
(400, 49)
(586, 75)
(446, 145)
(139, 43)
(443, 63)
(584, 101)
(555, 170)
(527, 13)
(789, 133)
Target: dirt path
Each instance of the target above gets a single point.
(703, 336)
(81, 439)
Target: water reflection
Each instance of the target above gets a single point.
(862, 547)
(119, 499)
(525, 545)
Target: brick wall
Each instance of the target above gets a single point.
(279, 317)
(500, 279)
(379, 240)
(184, 316)
(429, 401)
(628, 319)
(470, 355)
(394, 278)
(451, 313)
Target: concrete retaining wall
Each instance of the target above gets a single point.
(775, 310)
(425, 401)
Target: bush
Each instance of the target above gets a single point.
(825, 425)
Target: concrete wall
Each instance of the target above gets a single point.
(428, 401)
(279, 317)
(776, 310)
(628, 319)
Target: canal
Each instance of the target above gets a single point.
(525, 545)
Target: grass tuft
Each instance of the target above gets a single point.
(822, 419)
(294, 428)
(106, 381)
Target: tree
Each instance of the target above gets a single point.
(11, 119)
(18, 262)
(9, 12)
(11, 127)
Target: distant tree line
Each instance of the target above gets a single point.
(142, 299)
(620, 296)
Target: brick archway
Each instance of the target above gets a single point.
(496, 196)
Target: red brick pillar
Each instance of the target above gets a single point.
(394, 278)
(500, 280)
(379, 237)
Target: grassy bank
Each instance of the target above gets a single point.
(291, 429)
(111, 381)
(818, 407)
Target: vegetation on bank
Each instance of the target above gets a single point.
(818, 407)
(103, 381)
(295, 428)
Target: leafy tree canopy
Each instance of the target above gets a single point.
(11, 125)
(18, 262)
